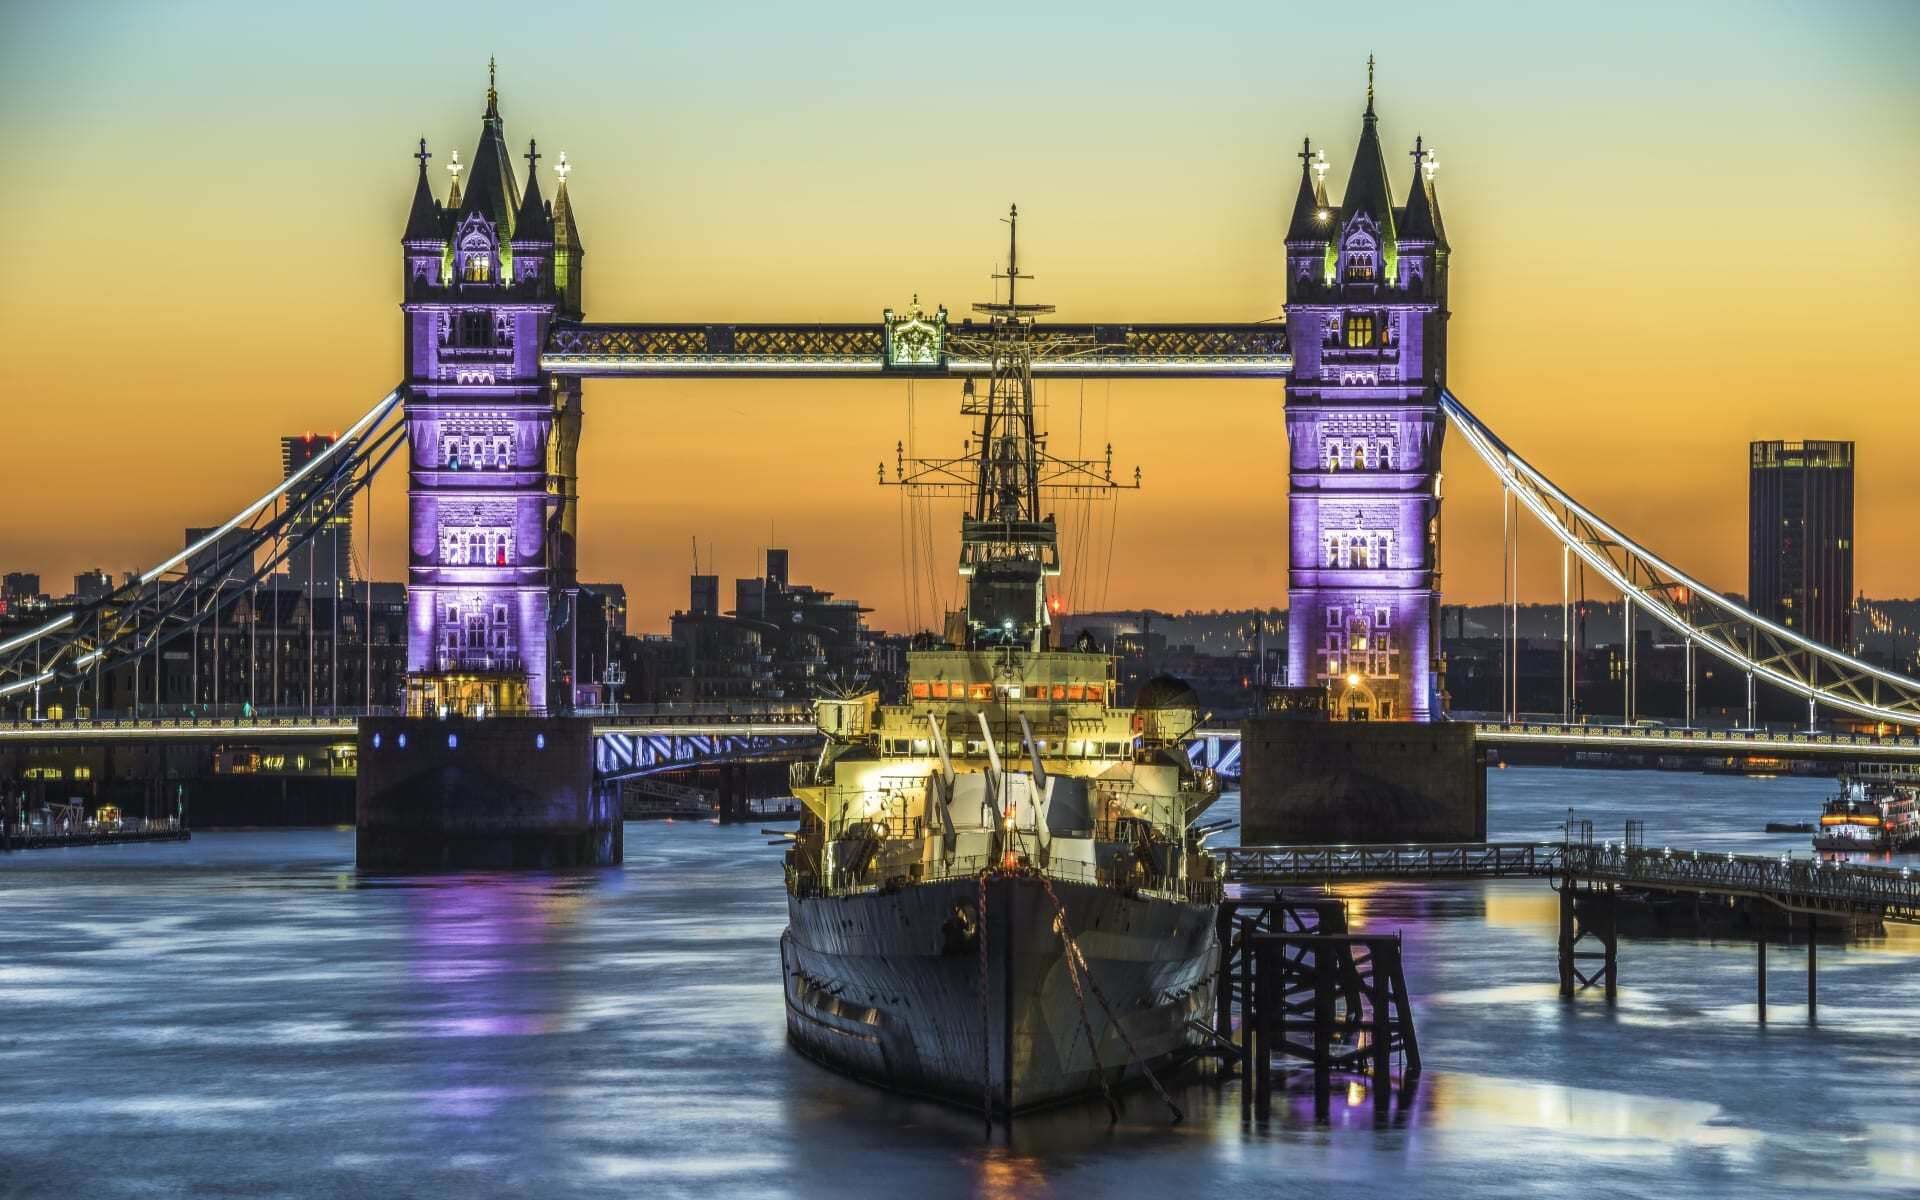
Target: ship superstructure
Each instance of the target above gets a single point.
(997, 896)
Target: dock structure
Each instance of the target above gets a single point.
(1305, 988)
(1591, 878)
(27, 838)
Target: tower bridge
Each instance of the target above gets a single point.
(489, 412)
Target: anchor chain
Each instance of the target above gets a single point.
(986, 1050)
(1073, 948)
(1086, 1025)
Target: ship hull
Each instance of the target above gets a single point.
(888, 988)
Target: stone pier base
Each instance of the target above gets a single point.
(1360, 781)
(501, 793)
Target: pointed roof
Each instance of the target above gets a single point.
(1308, 224)
(1367, 187)
(566, 235)
(532, 224)
(423, 220)
(1420, 220)
(491, 188)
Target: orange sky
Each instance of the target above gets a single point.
(1673, 232)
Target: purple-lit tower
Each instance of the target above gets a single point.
(1366, 319)
(492, 490)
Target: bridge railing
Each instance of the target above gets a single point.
(1690, 737)
(1476, 860)
(1794, 882)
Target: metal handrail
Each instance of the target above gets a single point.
(1790, 882)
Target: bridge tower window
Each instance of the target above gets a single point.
(1359, 331)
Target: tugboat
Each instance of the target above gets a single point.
(1851, 822)
(997, 897)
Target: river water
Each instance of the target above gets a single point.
(243, 1015)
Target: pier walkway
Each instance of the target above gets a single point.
(1796, 885)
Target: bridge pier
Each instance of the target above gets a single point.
(498, 793)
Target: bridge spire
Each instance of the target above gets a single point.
(1367, 188)
(1421, 222)
(1312, 222)
(533, 226)
(423, 219)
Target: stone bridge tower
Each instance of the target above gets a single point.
(491, 489)
(1366, 320)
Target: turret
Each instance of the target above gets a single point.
(425, 239)
(532, 230)
(1423, 239)
(1309, 231)
(567, 250)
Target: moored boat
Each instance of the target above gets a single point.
(997, 897)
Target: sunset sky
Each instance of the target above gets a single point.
(1676, 227)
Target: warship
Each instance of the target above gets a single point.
(999, 896)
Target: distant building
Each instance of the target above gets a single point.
(20, 585)
(91, 585)
(1800, 537)
(781, 640)
(240, 571)
(330, 519)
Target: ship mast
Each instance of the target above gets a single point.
(1009, 546)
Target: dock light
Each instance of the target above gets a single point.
(402, 739)
(376, 741)
(539, 741)
(453, 741)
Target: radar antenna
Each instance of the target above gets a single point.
(1009, 545)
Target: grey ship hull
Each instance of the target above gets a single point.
(887, 988)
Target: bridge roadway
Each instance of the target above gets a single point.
(1215, 747)
(1796, 885)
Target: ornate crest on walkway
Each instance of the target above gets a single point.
(915, 339)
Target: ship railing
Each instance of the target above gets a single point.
(969, 866)
(892, 828)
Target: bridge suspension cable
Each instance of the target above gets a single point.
(185, 589)
(1733, 633)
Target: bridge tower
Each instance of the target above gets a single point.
(1366, 319)
(491, 489)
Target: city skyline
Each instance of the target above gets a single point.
(1659, 266)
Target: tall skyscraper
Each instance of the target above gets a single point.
(1800, 537)
(331, 521)
(1367, 322)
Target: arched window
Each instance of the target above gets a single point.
(1357, 548)
(479, 268)
(1359, 331)
(1333, 454)
(1361, 259)
(1333, 550)
(1386, 454)
(1363, 461)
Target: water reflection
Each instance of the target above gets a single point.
(245, 1010)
